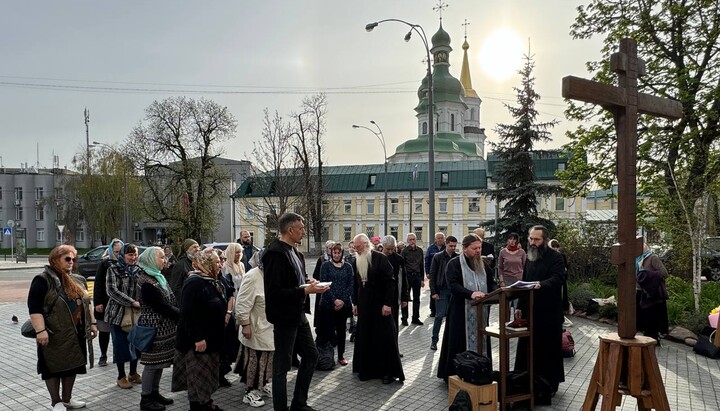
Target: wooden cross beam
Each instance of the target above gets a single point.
(625, 102)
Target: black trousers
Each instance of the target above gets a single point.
(414, 281)
(287, 337)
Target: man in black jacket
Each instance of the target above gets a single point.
(182, 267)
(439, 286)
(285, 294)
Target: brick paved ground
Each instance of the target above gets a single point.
(692, 382)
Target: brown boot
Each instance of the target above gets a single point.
(135, 378)
(124, 383)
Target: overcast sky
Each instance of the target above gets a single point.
(60, 57)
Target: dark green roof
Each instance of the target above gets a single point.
(462, 175)
(444, 143)
(546, 163)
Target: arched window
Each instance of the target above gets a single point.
(452, 122)
(424, 128)
(472, 114)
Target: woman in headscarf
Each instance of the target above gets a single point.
(231, 343)
(121, 278)
(158, 310)
(254, 363)
(233, 271)
(200, 333)
(183, 266)
(468, 281)
(100, 297)
(61, 337)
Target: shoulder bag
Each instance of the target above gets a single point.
(129, 318)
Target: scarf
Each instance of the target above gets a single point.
(513, 248)
(639, 260)
(473, 281)
(130, 269)
(147, 262)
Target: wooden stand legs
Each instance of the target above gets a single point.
(626, 367)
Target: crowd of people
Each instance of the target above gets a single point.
(208, 309)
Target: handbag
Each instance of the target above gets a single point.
(27, 329)
(129, 318)
(473, 367)
(706, 347)
(141, 337)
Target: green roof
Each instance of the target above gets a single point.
(444, 143)
(546, 163)
(462, 175)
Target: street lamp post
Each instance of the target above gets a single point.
(380, 136)
(431, 129)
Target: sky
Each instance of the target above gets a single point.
(116, 57)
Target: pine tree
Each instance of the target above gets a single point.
(517, 187)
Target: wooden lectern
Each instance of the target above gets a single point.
(502, 297)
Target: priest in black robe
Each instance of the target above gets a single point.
(401, 289)
(468, 280)
(376, 350)
(546, 267)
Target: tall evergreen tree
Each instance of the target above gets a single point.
(517, 188)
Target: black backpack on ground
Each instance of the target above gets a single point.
(473, 367)
(461, 402)
(326, 357)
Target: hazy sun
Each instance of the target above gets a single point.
(501, 54)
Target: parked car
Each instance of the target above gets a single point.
(89, 262)
(221, 246)
(710, 259)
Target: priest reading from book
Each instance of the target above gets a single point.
(468, 280)
(545, 268)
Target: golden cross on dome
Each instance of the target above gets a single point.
(465, 26)
(439, 8)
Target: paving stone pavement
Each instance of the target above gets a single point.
(692, 382)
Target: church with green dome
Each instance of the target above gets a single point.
(355, 200)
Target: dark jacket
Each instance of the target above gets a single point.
(414, 260)
(488, 249)
(430, 253)
(178, 276)
(100, 296)
(202, 315)
(284, 299)
(438, 267)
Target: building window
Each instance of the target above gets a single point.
(371, 180)
(394, 231)
(443, 229)
(424, 128)
(58, 193)
(40, 234)
(80, 234)
(472, 114)
(370, 231)
(452, 122)
(443, 206)
(347, 205)
(39, 213)
(19, 214)
(347, 233)
(417, 207)
(474, 205)
(559, 204)
(370, 207)
(137, 236)
(59, 237)
(444, 178)
(394, 206)
(38, 193)
(561, 166)
(418, 230)
(0, 193)
(248, 213)
(272, 209)
(324, 207)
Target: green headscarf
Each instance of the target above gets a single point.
(147, 262)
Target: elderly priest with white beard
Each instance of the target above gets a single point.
(546, 268)
(376, 349)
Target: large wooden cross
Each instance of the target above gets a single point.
(625, 103)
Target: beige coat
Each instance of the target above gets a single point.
(250, 309)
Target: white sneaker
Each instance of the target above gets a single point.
(73, 404)
(266, 391)
(254, 399)
(59, 407)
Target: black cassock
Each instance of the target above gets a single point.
(376, 350)
(401, 289)
(548, 318)
(454, 340)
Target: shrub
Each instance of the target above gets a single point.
(601, 289)
(609, 311)
(580, 296)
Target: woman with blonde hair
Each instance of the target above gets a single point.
(254, 362)
(62, 316)
(200, 332)
(158, 309)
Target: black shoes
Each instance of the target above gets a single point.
(404, 323)
(432, 314)
(160, 399)
(387, 379)
(103, 361)
(417, 322)
(148, 403)
(433, 346)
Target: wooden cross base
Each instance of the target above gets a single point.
(626, 367)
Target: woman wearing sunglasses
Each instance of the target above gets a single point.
(61, 313)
